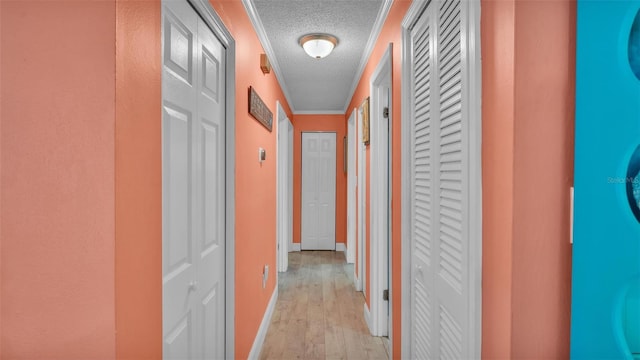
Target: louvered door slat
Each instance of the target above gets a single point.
(422, 191)
(450, 282)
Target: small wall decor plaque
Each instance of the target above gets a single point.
(259, 110)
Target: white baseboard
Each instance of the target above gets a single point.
(294, 247)
(264, 326)
(367, 317)
(351, 258)
(357, 282)
(341, 247)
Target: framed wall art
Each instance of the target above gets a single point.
(365, 121)
(259, 110)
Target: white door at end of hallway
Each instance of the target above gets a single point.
(193, 186)
(318, 191)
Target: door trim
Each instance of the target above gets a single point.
(351, 193)
(361, 284)
(471, 29)
(380, 184)
(357, 270)
(281, 179)
(211, 18)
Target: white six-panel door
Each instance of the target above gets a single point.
(318, 191)
(193, 185)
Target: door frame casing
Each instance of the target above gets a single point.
(216, 25)
(380, 203)
(281, 180)
(361, 282)
(471, 50)
(351, 186)
(357, 270)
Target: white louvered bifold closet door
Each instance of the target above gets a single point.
(439, 183)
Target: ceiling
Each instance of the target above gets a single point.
(318, 85)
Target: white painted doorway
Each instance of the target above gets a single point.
(197, 231)
(380, 223)
(361, 279)
(351, 188)
(318, 191)
(441, 192)
(290, 182)
(284, 190)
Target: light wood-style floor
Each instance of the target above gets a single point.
(319, 315)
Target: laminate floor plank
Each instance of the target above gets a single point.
(319, 315)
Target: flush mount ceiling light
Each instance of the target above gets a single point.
(318, 45)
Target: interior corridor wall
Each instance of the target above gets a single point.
(528, 83)
(255, 182)
(391, 33)
(138, 177)
(57, 185)
(332, 123)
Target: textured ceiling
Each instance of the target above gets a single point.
(318, 85)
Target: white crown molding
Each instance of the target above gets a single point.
(319, 112)
(266, 45)
(371, 43)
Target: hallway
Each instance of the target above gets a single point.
(128, 139)
(319, 315)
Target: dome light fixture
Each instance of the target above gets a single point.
(318, 45)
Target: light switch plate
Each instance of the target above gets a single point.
(262, 155)
(265, 276)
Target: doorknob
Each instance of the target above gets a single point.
(193, 285)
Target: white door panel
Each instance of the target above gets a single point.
(442, 296)
(318, 191)
(193, 186)
(211, 195)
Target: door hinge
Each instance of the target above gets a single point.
(385, 112)
(385, 295)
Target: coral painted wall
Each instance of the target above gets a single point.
(255, 182)
(333, 123)
(526, 181)
(138, 177)
(497, 31)
(544, 109)
(57, 185)
(391, 33)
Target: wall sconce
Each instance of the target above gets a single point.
(318, 45)
(265, 65)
